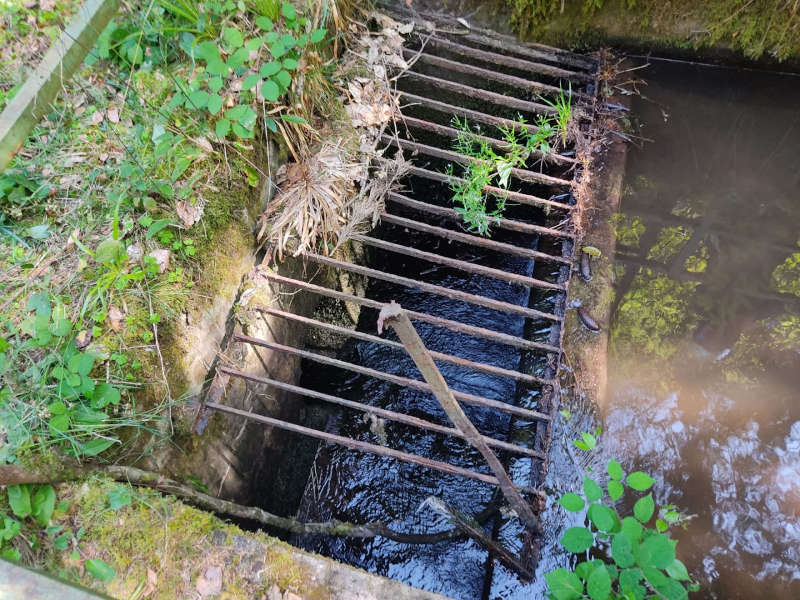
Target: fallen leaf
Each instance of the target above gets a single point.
(204, 144)
(83, 339)
(161, 257)
(135, 252)
(115, 318)
(103, 157)
(188, 213)
(97, 117)
(152, 583)
(113, 115)
(210, 582)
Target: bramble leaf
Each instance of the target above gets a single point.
(577, 539)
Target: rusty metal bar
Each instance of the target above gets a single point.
(472, 240)
(450, 213)
(414, 384)
(394, 316)
(517, 197)
(503, 60)
(389, 415)
(487, 74)
(534, 51)
(457, 326)
(498, 305)
(451, 132)
(523, 280)
(475, 115)
(439, 356)
(359, 445)
(480, 94)
(521, 174)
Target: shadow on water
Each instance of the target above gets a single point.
(704, 377)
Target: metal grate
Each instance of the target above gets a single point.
(503, 78)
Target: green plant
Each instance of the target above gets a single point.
(486, 165)
(625, 558)
(562, 104)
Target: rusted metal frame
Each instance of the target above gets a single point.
(535, 51)
(461, 265)
(439, 356)
(450, 213)
(481, 94)
(503, 60)
(517, 197)
(389, 415)
(468, 69)
(521, 174)
(394, 316)
(472, 240)
(453, 294)
(457, 326)
(453, 133)
(414, 384)
(359, 445)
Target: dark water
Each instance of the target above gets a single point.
(705, 371)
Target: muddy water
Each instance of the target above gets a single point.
(705, 371)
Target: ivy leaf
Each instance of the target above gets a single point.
(270, 91)
(640, 481)
(615, 490)
(577, 539)
(591, 490)
(39, 303)
(222, 127)
(19, 499)
(564, 585)
(100, 569)
(214, 103)
(615, 470)
(43, 504)
(598, 585)
(644, 508)
(572, 502)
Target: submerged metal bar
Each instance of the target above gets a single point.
(517, 197)
(534, 51)
(389, 415)
(451, 132)
(521, 174)
(414, 384)
(502, 223)
(472, 240)
(523, 280)
(394, 316)
(468, 69)
(457, 326)
(453, 294)
(507, 61)
(359, 445)
(439, 356)
(480, 94)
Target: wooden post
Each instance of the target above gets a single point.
(393, 314)
(66, 54)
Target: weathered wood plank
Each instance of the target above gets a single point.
(66, 54)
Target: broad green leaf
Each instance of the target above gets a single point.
(253, 44)
(10, 554)
(118, 497)
(95, 447)
(572, 502)
(57, 408)
(577, 539)
(602, 517)
(19, 499)
(248, 117)
(61, 327)
(654, 577)
(81, 363)
(58, 424)
(615, 490)
(643, 509)
(599, 584)
(217, 67)
(288, 41)
(318, 35)
(622, 550)
(288, 11)
(277, 49)
(269, 69)
(214, 103)
(564, 585)
(672, 590)
(271, 124)
(283, 78)
(655, 551)
(633, 528)
(629, 583)
(43, 504)
(640, 481)
(100, 569)
(233, 37)
(289, 64)
(180, 167)
(242, 132)
(661, 525)
(270, 91)
(293, 119)
(677, 570)
(105, 394)
(589, 440)
(222, 127)
(615, 470)
(198, 99)
(271, 37)
(238, 58)
(264, 23)
(11, 528)
(215, 84)
(250, 81)
(107, 251)
(39, 302)
(591, 490)
(207, 51)
(62, 541)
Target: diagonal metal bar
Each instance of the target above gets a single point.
(394, 316)
(389, 415)
(457, 326)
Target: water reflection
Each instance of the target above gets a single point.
(704, 376)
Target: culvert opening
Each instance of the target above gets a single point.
(489, 310)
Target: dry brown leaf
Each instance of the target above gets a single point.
(115, 318)
(97, 117)
(161, 257)
(204, 144)
(83, 339)
(188, 213)
(113, 115)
